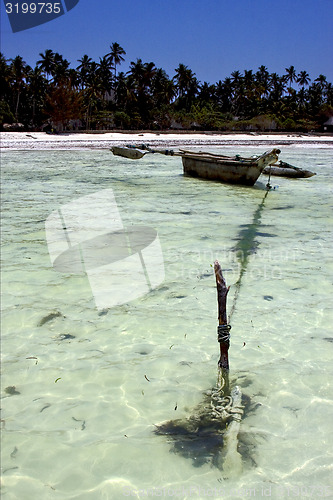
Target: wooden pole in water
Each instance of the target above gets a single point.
(231, 460)
(223, 328)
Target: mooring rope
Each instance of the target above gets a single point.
(223, 334)
(223, 407)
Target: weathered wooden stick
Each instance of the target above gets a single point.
(223, 328)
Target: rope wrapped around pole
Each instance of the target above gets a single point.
(223, 330)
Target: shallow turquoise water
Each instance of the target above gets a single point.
(79, 420)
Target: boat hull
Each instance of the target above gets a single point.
(232, 173)
(232, 170)
(293, 173)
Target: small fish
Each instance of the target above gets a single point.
(83, 423)
(45, 407)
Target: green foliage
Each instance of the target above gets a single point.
(104, 120)
(122, 120)
(147, 98)
(6, 116)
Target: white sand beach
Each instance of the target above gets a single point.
(74, 140)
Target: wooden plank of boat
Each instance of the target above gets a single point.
(283, 169)
(233, 170)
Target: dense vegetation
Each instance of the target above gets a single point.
(96, 96)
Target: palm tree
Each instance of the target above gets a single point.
(60, 71)
(329, 94)
(104, 73)
(18, 72)
(148, 76)
(93, 93)
(322, 81)
(46, 62)
(115, 56)
(207, 93)
(236, 78)
(163, 89)
(223, 94)
(5, 77)
(277, 87)
(140, 84)
(182, 78)
(291, 75)
(84, 68)
(37, 89)
(315, 97)
(301, 100)
(248, 80)
(121, 90)
(303, 78)
(136, 71)
(262, 81)
(187, 85)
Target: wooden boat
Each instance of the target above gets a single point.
(284, 169)
(210, 166)
(233, 170)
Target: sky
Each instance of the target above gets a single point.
(212, 37)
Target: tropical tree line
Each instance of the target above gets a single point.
(96, 95)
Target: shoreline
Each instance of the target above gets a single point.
(18, 141)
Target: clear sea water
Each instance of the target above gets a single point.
(83, 390)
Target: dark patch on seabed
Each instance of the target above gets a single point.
(65, 336)
(200, 437)
(50, 317)
(284, 208)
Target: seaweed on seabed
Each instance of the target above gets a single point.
(200, 437)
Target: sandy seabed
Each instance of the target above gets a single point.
(74, 140)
